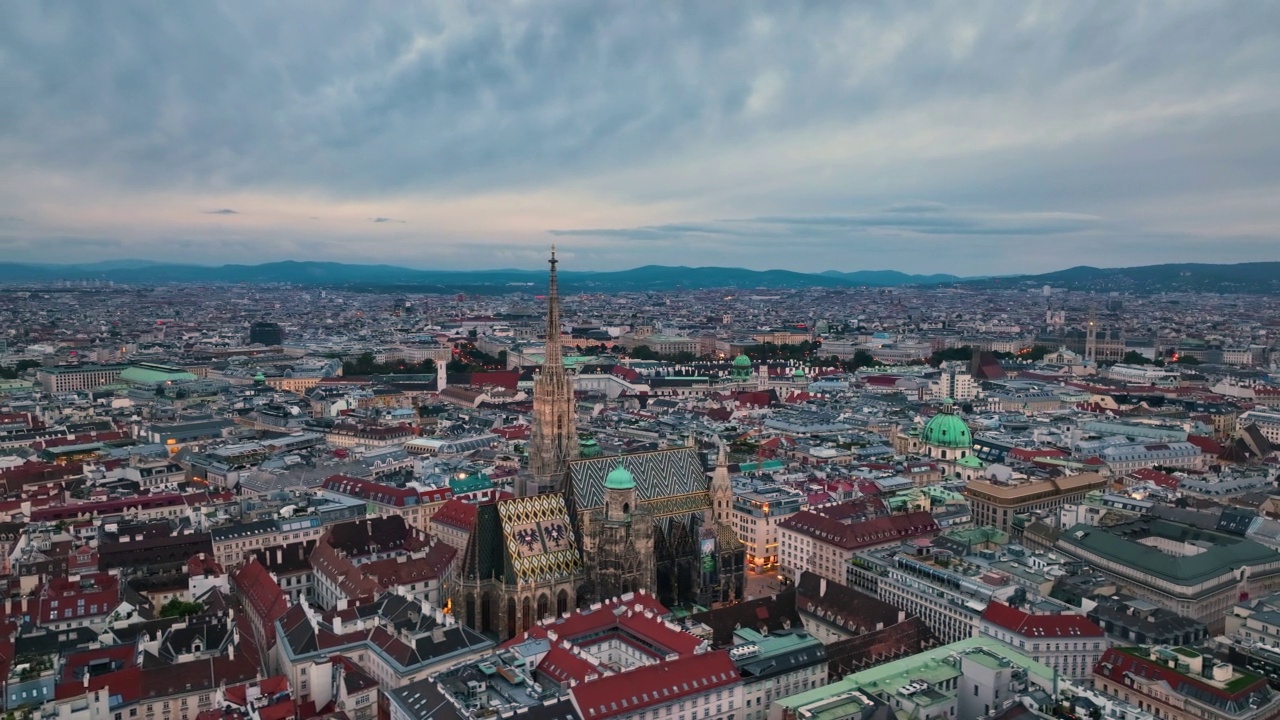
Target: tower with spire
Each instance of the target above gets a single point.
(722, 489)
(554, 439)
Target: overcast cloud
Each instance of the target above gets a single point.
(969, 137)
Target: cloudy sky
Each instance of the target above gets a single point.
(971, 137)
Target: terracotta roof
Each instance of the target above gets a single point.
(650, 685)
(563, 666)
(879, 531)
(645, 624)
(1207, 445)
(371, 491)
(1156, 477)
(1038, 626)
(1118, 663)
(456, 513)
(263, 596)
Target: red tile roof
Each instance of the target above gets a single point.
(371, 491)
(651, 685)
(646, 624)
(456, 513)
(263, 596)
(1038, 626)
(1156, 477)
(563, 666)
(1117, 663)
(1207, 445)
(869, 533)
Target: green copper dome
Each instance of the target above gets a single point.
(798, 373)
(588, 448)
(619, 479)
(947, 430)
(742, 361)
(259, 378)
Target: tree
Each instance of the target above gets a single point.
(366, 365)
(1034, 354)
(16, 371)
(1133, 357)
(180, 608)
(861, 359)
(1187, 360)
(950, 355)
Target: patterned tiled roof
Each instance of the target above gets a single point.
(660, 473)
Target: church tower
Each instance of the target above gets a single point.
(554, 440)
(619, 555)
(722, 489)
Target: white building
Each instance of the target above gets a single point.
(1124, 459)
(1070, 644)
(955, 382)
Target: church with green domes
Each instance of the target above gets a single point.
(946, 439)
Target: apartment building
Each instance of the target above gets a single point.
(969, 679)
(996, 504)
(756, 515)
(1179, 683)
(72, 378)
(1070, 644)
(1124, 459)
(823, 545)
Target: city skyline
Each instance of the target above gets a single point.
(970, 141)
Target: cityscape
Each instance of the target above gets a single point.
(540, 362)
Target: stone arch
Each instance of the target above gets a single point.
(511, 617)
(526, 613)
(469, 611)
(626, 508)
(544, 606)
(562, 602)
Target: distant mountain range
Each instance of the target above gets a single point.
(1256, 278)
(649, 277)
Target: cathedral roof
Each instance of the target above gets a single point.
(658, 474)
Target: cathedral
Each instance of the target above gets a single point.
(585, 529)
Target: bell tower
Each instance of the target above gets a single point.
(722, 489)
(554, 438)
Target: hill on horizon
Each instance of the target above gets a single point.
(1259, 278)
(648, 277)
(1248, 278)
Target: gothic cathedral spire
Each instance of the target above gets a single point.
(722, 488)
(554, 440)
